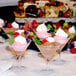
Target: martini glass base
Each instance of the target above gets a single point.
(59, 62)
(50, 70)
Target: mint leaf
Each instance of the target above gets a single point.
(71, 35)
(10, 40)
(10, 33)
(36, 41)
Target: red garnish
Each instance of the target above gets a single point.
(66, 14)
(16, 34)
(54, 3)
(66, 3)
(30, 37)
(73, 50)
(9, 25)
(32, 29)
(22, 8)
(68, 27)
(57, 25)
(41, 13)
(44, 41)
(41, 23)
(34, 26)
(61, 4)
(34, 22)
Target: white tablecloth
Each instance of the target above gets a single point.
(33, 63)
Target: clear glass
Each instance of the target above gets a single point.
(60, 60)
(18, 55)
(48, 50)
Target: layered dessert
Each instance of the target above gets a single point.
(18, 39)
(51, 37)
(19, 46)
(48, 50)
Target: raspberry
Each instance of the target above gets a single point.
(34, 22)
(9, 25)
(44, 41)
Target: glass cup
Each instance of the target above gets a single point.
(48, 50)
(60, 60)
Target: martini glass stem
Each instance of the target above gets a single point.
(59, 55)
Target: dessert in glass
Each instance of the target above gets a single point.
(19, 47)
(19, 44)
(52, 38)
(46, 44)
(63, 37)
(11, 28)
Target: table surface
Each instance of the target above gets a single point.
(23, 20)
(33, 64)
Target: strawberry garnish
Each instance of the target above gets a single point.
(34, 22)
(22, 8)
(66, 14)
(32, 29)
(61, 4)
(57, 25)
(73, 50)
(30, 36)
(16, 34)
(44, 41)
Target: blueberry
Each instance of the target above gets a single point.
(49, 22)
(70, 23)
(25, 33)
(74, 24)
(61, 13)
(61, 22)
(28, 40)
(71, 46)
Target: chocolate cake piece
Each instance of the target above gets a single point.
(32, 11)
